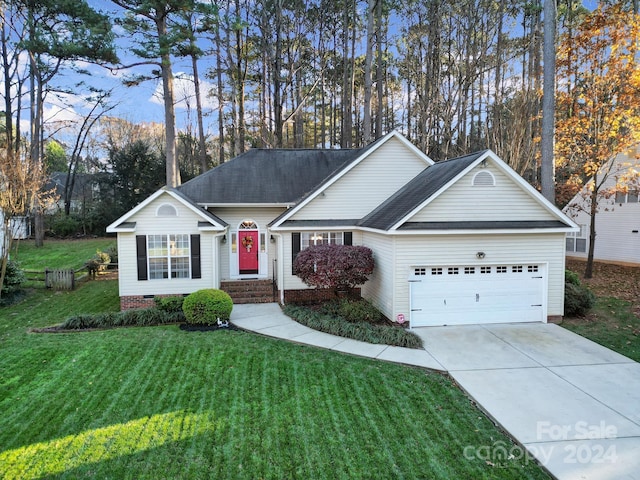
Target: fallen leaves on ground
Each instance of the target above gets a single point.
(609, 280)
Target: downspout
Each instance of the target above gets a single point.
(216, 254)
(280, 265)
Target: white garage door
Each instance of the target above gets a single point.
(459, 294)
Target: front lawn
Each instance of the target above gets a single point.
(158, 402)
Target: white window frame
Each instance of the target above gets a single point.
(308, 239)
(173, 248)
(575, 239)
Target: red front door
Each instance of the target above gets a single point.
(248, 248)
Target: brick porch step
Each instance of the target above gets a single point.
(249, 291)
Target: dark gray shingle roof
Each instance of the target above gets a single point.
(268, 176)
(205, 212)
(414, 193)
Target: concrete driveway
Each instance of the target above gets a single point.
(572, 403)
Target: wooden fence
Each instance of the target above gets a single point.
(60, 279)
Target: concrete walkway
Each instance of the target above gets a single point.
(573, 404)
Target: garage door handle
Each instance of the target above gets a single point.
(416, 309)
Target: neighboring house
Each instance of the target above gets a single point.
(618, 216)
(86, 189)
(460, 241)
(18, 228)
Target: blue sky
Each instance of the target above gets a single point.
(143, 103)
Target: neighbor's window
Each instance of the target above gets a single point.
(308, 239)
(577, 241)
(632, 196)
(169, 256)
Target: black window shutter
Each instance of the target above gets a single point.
(196, 271)
(141, 255)
(348, 238)
(295, 248)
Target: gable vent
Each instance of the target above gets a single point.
(166, 210)
(484, 179)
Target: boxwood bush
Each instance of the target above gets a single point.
(205, 307)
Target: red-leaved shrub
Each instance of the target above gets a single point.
(334, 266)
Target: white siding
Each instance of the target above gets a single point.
(499, 249)
(463, 202)
(235, 216)
(617, 225)
(147, 223)
(367, 185)
(379, 289)
(617, 232)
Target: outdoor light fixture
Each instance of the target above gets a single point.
(271, 239)
(480, 255)
(224, 239)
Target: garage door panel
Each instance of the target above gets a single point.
(499, 294)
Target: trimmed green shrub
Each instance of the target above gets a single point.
(362, 331)
(207, 306)
(578, 299)
(169, 304)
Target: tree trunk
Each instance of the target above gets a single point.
(588, 271)
(368, 60)
(36, 135)
(547, 168)
(347, 82)
(172, 168)
(221, 137)
(202, 145)
(277, 84)
(380, 84)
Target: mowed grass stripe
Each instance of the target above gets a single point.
(158, 402)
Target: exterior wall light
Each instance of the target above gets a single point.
(480, 255)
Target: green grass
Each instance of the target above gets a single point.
(58, 254)
(612, 324)
(158, 402)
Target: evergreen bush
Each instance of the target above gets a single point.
(207, 306)
(13, 278)
(578, 299)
